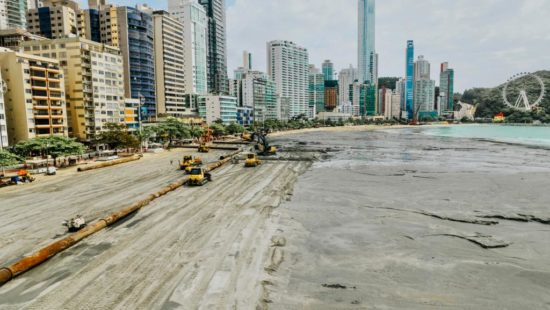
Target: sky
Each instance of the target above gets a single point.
(485, 41)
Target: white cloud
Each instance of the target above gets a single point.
(485, 41)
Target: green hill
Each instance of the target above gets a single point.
(490, 101)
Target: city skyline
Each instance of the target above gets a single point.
(497, 41)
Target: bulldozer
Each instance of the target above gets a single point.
(198, 176)
(252, 161)
(247, 137)
(203, 148)
(189, 162)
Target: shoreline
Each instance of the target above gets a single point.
(340, 129)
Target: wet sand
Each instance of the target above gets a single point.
(398, 220)
(386, 219)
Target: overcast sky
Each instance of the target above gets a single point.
(485, 41)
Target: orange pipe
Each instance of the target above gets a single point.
(37, 258)
(110, 163)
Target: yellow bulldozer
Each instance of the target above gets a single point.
(190, 162)
(198, 176)
(203, 148)
(252, 161)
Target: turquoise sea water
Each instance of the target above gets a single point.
(530, 135)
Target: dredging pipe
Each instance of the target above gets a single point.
(42, 255)
(110, 163)
(222, 148)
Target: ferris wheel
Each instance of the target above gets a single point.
(523, 91)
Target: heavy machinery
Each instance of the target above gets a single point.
(198, 176)
(262, 145)
(252, 161)
(203, 148)
(186, 162)
(247, 137)
(75, 224)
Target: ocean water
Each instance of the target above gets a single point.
(529, 135)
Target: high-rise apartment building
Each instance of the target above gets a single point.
(94, 82)
(169, 65)
(424, 98)
(446, 89)
(54, 20)
(13, 14)
(364, 99)
(328, 70)
(34, 96)
(392, 101)
(331, 95)
(316, 90)
(346, 77)
(3, 123)
(424, 89)
(421, 69)
(216, 46)
(367, 58)
(259, 92)
(215, 107)
(288, 67)
(193, 17)
(409, 81)
(135, 41)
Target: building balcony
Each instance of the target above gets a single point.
(38, 78)
(42, 126)
(53, 107)
(40, 97)
(38, 68)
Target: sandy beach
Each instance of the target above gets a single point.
(382, 219)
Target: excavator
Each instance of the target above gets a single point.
(203, 148)
(262, 145)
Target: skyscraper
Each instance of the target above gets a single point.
(135, 40)
(288, 67)
(54, 20)
(328, 70)
(316, 90)
(424, 89)
(346, 77)
(446, 89)
(409, 80)
(366, 42)
(169, 65)
(193, 17)
(216, 53)
(421, 69)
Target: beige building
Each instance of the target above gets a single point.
(169, 65)
(34, 96)
(55, 20)
(3, 123)
(94, 82)
(12, 38)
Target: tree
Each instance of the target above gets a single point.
(217, 129)
(196, 131)
(234, 128)
(172, 129)
(54, 146)
(8, 159)
(116, 136)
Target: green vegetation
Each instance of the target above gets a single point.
(489, 101)
(117, 137)
(53, 146)
(8, 159)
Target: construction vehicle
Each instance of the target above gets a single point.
(198, 176)
(262, 145)
(252, 161)
(203, 148)
(247, 137)
(75, 224)
(187, 161)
